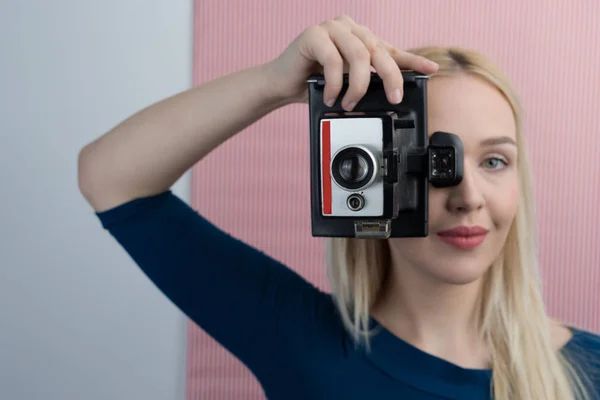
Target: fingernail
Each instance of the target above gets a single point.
(433, 64)
(330, 102)
(350, 106)
(396, 96)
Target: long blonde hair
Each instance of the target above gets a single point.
(513, 318)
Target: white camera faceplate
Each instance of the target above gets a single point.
(336, 134)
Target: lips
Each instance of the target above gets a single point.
(464, 237)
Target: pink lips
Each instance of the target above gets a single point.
(464, 237)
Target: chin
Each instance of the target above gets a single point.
(457, 272)
(439, 263)
(457, 278)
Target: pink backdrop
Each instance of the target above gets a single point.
(551, 51)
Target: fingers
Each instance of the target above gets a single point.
(411, 61)
(357, 56)
(324, 51)
(342, 41)
(384, 64)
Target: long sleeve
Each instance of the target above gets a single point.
(247, 301)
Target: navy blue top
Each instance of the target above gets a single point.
(285, 330)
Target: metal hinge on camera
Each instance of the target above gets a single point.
(372, 229)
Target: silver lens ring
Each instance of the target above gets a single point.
(355, 202)
(354, 167)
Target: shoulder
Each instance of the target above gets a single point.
(569, 337)
(583, 352)
(586, 341)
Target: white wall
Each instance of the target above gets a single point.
(77, 318)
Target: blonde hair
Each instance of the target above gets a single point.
(514, 322)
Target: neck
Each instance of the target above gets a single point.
(437, 317)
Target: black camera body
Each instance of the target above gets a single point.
(371, 167)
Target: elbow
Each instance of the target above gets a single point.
(85, 173)
(96, 180)
(91, 179)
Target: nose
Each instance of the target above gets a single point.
(466, 196)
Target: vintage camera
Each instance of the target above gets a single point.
(371, 168)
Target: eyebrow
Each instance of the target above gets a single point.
(498, 140)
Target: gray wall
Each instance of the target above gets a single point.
(77, 318)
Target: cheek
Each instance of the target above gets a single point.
(503, 201)
(437, 204)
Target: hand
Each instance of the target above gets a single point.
(340, 46)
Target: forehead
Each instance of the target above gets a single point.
(469, 107)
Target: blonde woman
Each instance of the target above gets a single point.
(457, 314)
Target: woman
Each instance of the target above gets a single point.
(411, 318)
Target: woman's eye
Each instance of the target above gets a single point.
(494, 163)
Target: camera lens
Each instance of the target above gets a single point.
(441, 164)
(355, 202)
(353, 168)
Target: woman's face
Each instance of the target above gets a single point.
(487, 197)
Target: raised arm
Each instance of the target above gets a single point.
(148, 152)
(250, 303)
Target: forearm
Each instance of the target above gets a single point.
(148, 152)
